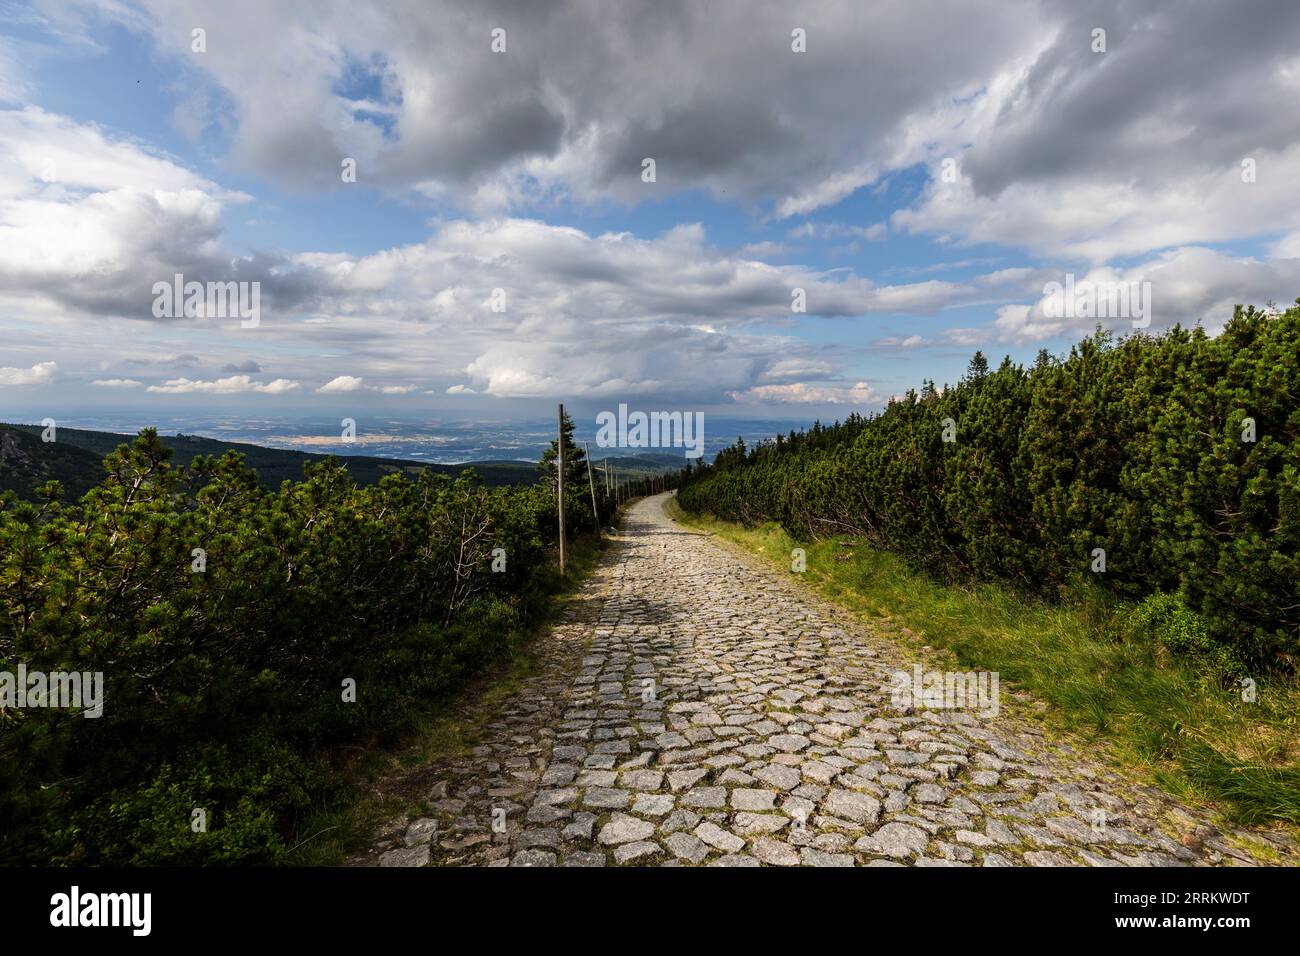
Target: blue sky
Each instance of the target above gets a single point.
(132, 156)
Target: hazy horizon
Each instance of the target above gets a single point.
(442, 441)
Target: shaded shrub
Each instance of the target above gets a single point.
(224, 686)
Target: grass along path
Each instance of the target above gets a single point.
(1171, 722)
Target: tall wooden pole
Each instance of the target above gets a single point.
(591, 480)
(559, 484)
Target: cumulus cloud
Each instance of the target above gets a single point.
(588, 315)
(800, 393)
(36, 375)
(343, 383)
(798, 368)
(233, 385)
(117, 383)
(51, 155)
(583, 314)
(713, 92)
(91, 220)
(1188, 286)
(352, 383)
(1100, 220)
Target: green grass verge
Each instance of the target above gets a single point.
(1171, 721)
(384, 783)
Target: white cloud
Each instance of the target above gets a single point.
(587, 314)
(967, 337)
(1288, 247)
(827, 191)
(1098, 220)
(800, 393)
(91, 221)
(352, 383)
(910, 342)
(36, 375)
(343, 383)
(1188, 286)
(117, 383)
(232, 385)
(876, 232)
(52, 156)
(798, 368)
(277, 387)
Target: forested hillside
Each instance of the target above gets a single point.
(75, 459)
(1166, 469)
(245, 634)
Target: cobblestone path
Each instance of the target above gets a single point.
(695, 709)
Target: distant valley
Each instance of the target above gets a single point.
(76, 460)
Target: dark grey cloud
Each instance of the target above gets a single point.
(248, 367)
(586, 89)
(712, 91)
(1183, 85)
